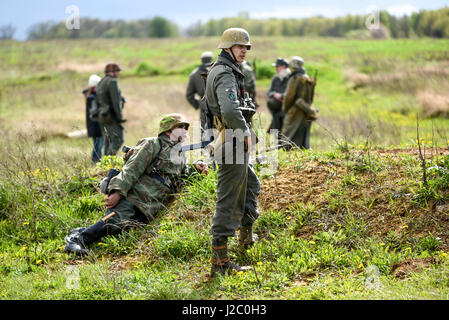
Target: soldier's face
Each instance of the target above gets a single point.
(239, 53)
(178, 135)
(280, 68)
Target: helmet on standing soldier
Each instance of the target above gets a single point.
(234, 36)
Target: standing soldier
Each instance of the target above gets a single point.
(111, 104)
(196, 86)
(276, 93)
(238, 186)
(93, 127)
(249, 82)
(153, 172)
(297, 105)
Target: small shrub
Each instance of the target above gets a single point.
(144, 70)
(272, 221)
(429, 243)
(265, 71)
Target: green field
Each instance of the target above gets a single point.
(352, 218)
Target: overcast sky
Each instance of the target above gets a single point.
(24, 13)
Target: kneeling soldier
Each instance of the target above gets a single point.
(151, 175)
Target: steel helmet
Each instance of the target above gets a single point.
(206, 57)
(170, 121)
(296, 63)
(234, 36)
(112, 67)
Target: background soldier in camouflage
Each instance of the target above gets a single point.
(153, 172)
(249, 82)
(196, 85)
(111, 103)
(297, 105)
(276, 93)
(238, 186)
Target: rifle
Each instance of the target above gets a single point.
(315, 78)
(195, 146)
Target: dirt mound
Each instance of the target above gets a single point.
(404, 268)
(380, 200)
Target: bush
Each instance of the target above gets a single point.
(145, 69)
(264, 70)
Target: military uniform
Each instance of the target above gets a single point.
(238, 186)
(93, 127)
(297, 107)
(111, 102)
(278, 85)
(154, 171)
(196, 86)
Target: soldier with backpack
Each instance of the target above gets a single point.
(111, 103)
(153, 172)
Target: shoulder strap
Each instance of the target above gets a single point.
(154, 162)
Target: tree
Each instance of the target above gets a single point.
(159, 27)
(7, 32)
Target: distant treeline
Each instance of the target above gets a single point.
(426, 23)
(157, 27)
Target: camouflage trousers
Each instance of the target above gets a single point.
(237, 190)
(113, 137)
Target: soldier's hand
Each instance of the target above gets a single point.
(112, 200)
(278, 96)
(202, 167)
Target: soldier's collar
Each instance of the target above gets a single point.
(225, 58)
(166, 139)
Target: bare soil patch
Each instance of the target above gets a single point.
(382, 200)
(404, 268)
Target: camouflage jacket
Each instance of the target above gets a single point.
(196, 85)
(224, 93)
(297, 87)
(143, 180)
(110, 95)
(296, 125)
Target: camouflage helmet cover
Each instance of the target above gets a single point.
(170, 121)
(234, 36)
(296, 62)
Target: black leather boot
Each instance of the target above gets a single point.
(78, 242)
